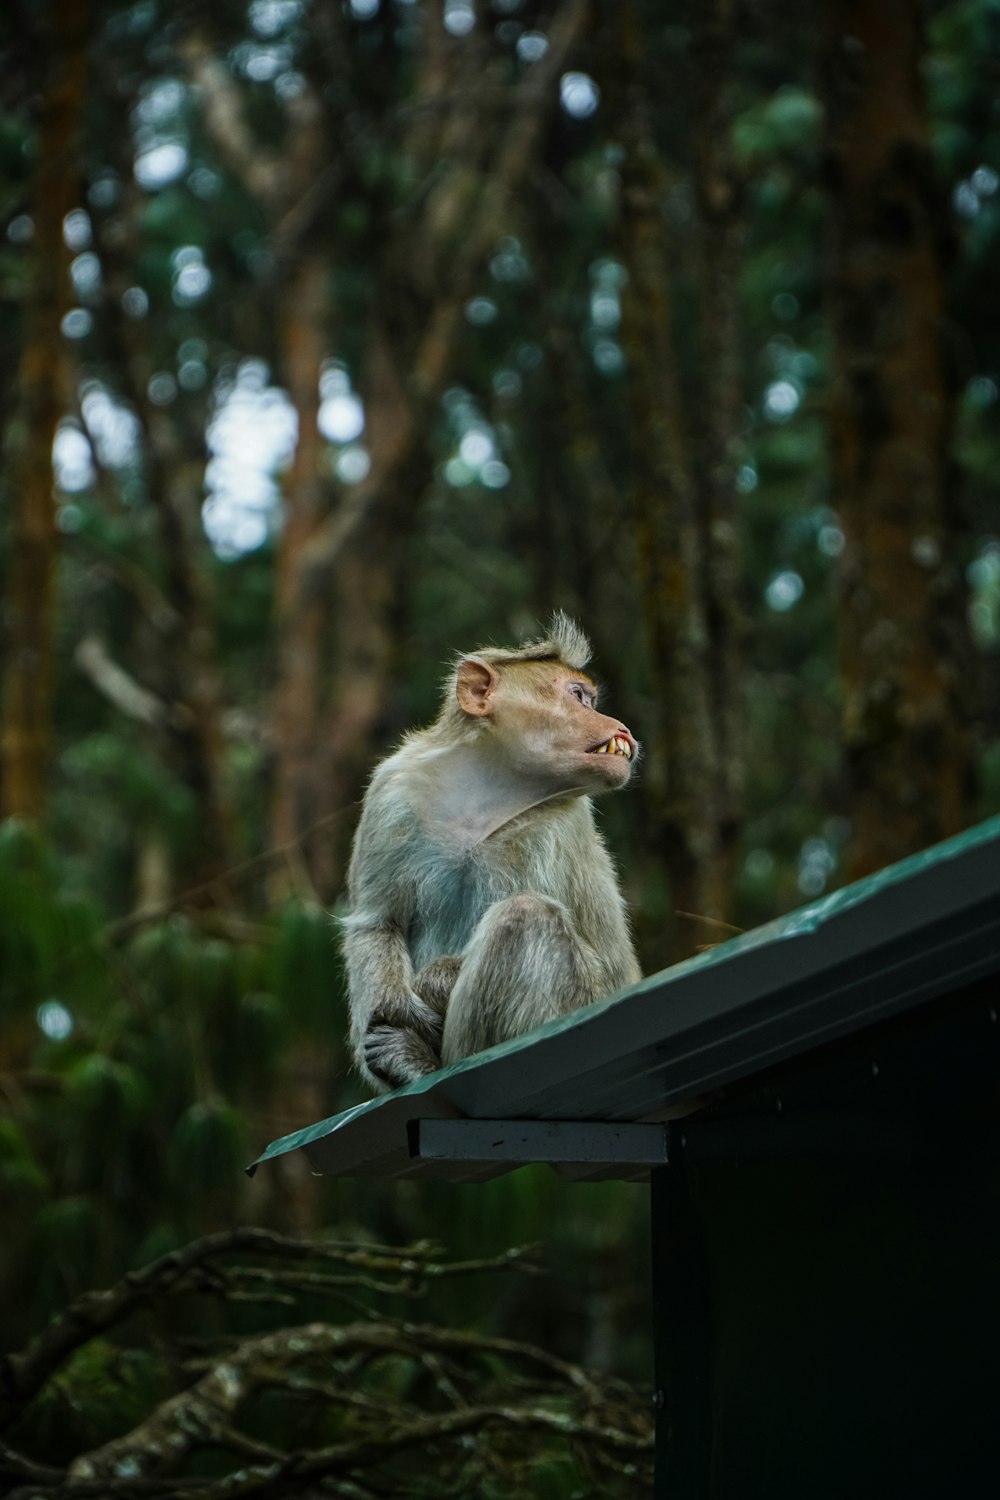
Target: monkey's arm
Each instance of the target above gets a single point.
(395, 1034)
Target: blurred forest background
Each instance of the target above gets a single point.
(339, 335)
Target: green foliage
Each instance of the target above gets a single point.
(208, 1148)
(784, 125)
(306, 970)
(102, 1391)
(109, 1097)
(64, 1242)
(22, 1180)
(47, 926)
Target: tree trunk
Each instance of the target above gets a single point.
(25, 739)
(903, 638)
(180, 660)
(366, 583)
(303, 610)
(187, 658)
(719, 416)
(688, 582)
(182, 664)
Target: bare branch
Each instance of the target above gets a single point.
(14, 1467)
(261, 171)
(121, 1476)
(301, 1469)
(276, 180)
(115, 684)
(513, 162)
(414, 1284)
(191, 1419)
(191, 898)
(314, 1361)
(189, 1270)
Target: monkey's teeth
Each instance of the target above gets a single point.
(615, 746)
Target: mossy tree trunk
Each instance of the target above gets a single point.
(719, 417)
(683, 471)
(903, 641)
(302, 614)
(29, 669)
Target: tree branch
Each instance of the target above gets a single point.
(275, 180)
(432, 360)
(317, 1361)
(115, 684)
(23, 1374)
(301, 1469)
(196, 1416)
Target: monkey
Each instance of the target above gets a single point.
(482, 897)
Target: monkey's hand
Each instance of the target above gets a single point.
(436, 981)
(403, 1040)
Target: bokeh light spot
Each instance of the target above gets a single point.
(579, 95)
(784, 591)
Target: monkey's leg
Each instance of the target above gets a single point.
(523, 965)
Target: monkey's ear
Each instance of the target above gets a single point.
(475, 686)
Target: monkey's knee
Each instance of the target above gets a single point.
(526, 932)
(517, 916)
(524, 965)
(522, 942)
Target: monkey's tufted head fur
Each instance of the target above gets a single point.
(565, 643)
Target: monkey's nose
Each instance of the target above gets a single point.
(628, 735)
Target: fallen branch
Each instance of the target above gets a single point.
(495, 1404)
(119, 1479)
(185, 1271)
(197, 1416)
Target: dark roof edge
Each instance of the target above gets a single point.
(869, 915)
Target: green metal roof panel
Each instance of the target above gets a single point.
(911, 932)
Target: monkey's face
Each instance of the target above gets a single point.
(546, 723)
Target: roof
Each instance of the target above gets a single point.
(912, 932)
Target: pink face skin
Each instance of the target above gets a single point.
(545, 724)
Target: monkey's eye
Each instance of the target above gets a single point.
(581, 694)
